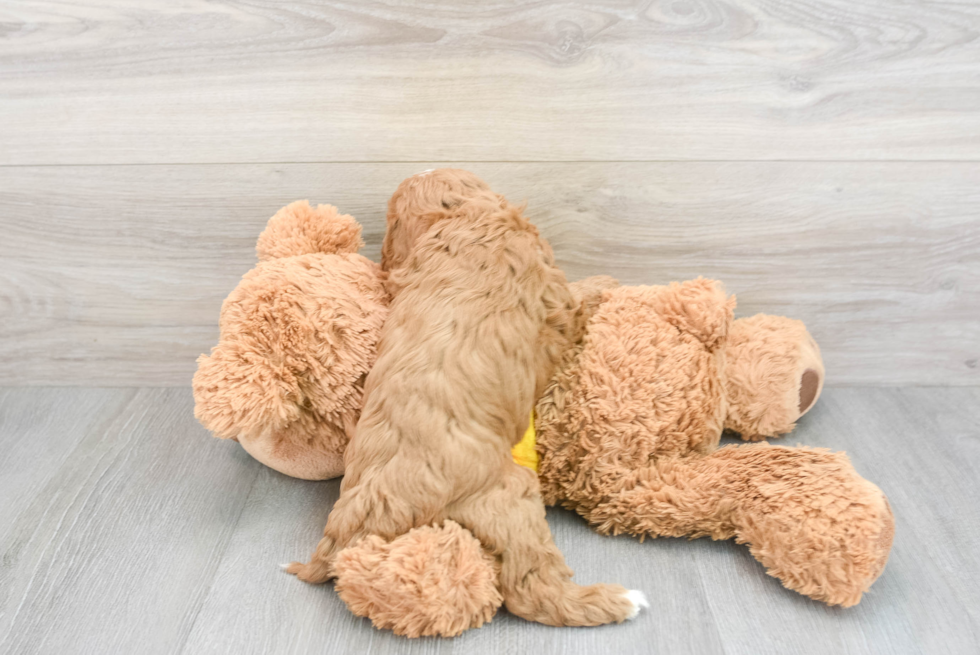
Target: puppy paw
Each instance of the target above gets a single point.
(639, 600)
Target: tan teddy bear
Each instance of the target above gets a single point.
(298, 336)
(630, 426)
(627, 431)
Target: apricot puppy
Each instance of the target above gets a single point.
(479, 317)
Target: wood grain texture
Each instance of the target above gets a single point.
(124, 81)
(114, 551)
(146, 535)
(37, 438)
(115, 275)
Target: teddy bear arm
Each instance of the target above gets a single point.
(805, 514)
(810, 519)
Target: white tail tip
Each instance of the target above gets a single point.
(639, 601)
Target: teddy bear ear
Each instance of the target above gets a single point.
(299, 229)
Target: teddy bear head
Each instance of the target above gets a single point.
(298, 337)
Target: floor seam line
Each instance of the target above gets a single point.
(207, 593)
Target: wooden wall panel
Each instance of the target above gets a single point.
(114, 275)
(124, 81)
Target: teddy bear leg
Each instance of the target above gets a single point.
(806, 515)
(431, 581)
(535, 582)
(810, 519)
(773, 375)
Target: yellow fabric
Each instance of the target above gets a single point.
(524, 452)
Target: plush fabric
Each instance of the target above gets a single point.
(432, 581)
(770, 361)
(627, 427)
(299, 229)
(629, 433)
(298, 335)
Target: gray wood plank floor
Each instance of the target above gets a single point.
(125, 528)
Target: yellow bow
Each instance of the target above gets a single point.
(524, 452)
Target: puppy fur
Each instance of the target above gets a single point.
(479, 318)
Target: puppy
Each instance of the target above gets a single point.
(479, 317)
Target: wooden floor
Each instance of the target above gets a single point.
(125, 528)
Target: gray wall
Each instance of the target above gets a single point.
(823, 160)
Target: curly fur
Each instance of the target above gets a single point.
(424, 199)
(479, 317)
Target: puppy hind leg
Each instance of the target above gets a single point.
(371, 506)
(346, 525)
(534, 579)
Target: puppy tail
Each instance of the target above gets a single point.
(556, 600)
(534, 580)
(320, 567)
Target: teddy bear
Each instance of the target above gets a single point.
(626, 433)
(298, 337)
(629, 434)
